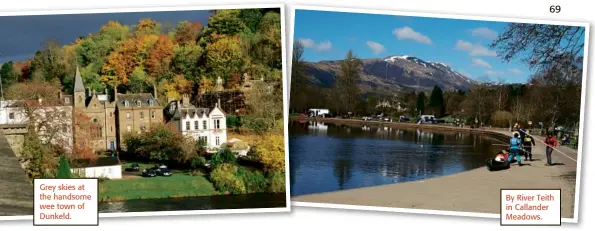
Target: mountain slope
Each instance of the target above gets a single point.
(393, 74)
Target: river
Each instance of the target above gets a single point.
(244, 201)
(328, 157)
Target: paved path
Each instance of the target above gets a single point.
(16, 193)
(476, 190)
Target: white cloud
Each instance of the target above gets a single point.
(404, 33)
(481, 63)
(490, 72)
(474, 49)
(484, 32)
(515, 71)
(311, 44)
(376, 48)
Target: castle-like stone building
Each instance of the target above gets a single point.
(114, 117)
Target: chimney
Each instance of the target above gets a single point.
(89, 91)
(154, 92)
(218, 102)
(186, 99)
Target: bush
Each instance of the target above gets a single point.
(225, 180)
(277, 182)
(64, 171)
(257, 125)
(271, 153)
(197, 162)
(226, 156)
(232, 121)
(254, 181)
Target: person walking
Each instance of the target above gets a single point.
(550, 142)
(528, 143)
(515, 148)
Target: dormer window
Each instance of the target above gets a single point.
(126, 104)
(150, 102)
(138, 103)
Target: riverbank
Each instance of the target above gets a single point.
(475, 190)
(175, 186)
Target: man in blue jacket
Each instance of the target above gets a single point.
(515, 148)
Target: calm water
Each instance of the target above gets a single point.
(196, 203)
(330, 157)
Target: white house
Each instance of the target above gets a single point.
(208, 125)
(53, 123)
(103, 167)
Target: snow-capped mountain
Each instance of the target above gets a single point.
(395, 73)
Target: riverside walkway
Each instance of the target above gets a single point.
(474, 191)
(16, 193)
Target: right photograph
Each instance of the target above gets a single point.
(434, 114)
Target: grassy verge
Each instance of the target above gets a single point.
(177, 185)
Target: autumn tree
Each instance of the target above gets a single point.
(271, 152)
(160, 57)
(178, 86)
(145, 27)
(187, 32)
(83, 131)
(224, 57)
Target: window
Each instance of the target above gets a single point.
(203, 140)
(11, 115)
(217, 140)
(187, 125)
(142, 115)
(64, 128)
(66, 100)
(152, 115)
(150, 102)
(128, 128)
(216, 124)
(126, 104)
(138, 103)
(111, 114)
(111, 128)
(196, 125)
(127, 115)
(204, 125)
(94, 105)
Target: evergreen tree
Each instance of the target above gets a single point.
(64, 169)
(436, 102)
(421, 102)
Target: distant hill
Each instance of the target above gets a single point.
(394, 74)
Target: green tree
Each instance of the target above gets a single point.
(299, 80)
(64, 171)
(8, 75)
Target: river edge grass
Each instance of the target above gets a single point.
(175, 186)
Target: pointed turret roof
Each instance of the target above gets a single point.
(78, 81)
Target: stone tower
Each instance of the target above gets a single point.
(79, 90)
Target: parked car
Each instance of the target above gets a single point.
(135, 167)
(149, 173)
(163, 172)
(403, 118)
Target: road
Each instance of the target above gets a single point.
(16, 193)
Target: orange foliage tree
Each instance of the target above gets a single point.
(83, 128)
(187, 32)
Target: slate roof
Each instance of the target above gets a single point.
(99, 162)
(144, 98)
(78, 81)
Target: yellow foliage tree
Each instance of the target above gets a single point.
(178, 86)
(271, 152)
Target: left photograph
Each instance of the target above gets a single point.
(172, 109)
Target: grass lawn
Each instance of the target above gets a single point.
(177, 185)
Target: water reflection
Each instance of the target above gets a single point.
(196, 203)
(353, 156)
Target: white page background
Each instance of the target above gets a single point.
(301, 218)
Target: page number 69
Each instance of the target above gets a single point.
(555, 9)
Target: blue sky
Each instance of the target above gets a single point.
(461, 44)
